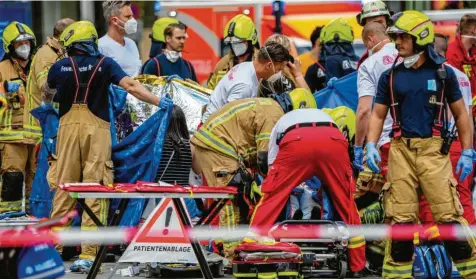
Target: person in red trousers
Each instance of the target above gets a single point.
(304, 143)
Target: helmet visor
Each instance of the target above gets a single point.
(232, 40)
(23, 37)
(394, 31)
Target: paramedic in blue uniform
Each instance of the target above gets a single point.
(417, 93)
(80, 85)
(170, 62)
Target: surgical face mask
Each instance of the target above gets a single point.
(371, 51)
(23, 51)
(130, 26)
(411, 60)
(172, 56)
(275, 77)
(240, 48)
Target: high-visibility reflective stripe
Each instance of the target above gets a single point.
(230, 114)
(262, 137)
(356, 242)
(466, 268)
(8, 206)
(103, 211)
(390, 271)
(212, 141)
(376, 249)
(416, 238)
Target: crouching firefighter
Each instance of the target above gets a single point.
(418, 155)
(306, 142)
(18, 152)
(80, 85)
(234, 139)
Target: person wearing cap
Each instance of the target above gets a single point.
(462, 51)
(240, 34)
(170, 62)
(157, 37)
(418, 93)
(337, 38)
(304, 143)
(373, 11)
(79, 84)
(382, 56)
(243, 80)
(18, 152)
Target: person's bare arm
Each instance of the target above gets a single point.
(462, 123)
(297, 74)
(47, 93)
(364, 111)
(138, 90)
(376, 122)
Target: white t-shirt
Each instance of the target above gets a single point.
(126, 56)
(465, 87)
(290, 119)
(367, 81)
(239, 83)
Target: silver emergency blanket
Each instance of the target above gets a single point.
(188, 95)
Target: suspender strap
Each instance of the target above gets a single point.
(438, 122)
(82, 86)
(394, 108)
(158, 65)
(189, 67)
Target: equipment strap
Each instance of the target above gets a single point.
(395, 109)
(82, 86)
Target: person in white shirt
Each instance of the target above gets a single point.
(115, 44)
(305, 143)
(464, 187)
(242, 80)
(381, 56)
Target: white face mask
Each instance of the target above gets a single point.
(23, 51)
(411, 60)
(239, 48)
(275, 77)
(172, 56)
(130, 26)
(371, 51)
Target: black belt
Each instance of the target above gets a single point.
(308, 124)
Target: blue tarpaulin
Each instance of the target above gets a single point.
(41, 196)
(340, 92)
(137, 157)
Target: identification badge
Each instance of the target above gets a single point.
(432, 85)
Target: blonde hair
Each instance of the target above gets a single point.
(280, 39)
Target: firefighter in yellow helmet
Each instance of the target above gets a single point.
(18, 152)
(79, 83)
(240, 34)
(418, 93)
(45, 56)
(337, 38)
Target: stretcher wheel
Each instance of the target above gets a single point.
(342, 269)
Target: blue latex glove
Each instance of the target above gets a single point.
(175, 76)
(13, 86)
(331, 82)
(465, 164)
(314, 183)
(359, 158)
(373, 157)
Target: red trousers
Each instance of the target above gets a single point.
(463, 188)
(303, 153)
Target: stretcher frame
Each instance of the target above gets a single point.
(208, 216)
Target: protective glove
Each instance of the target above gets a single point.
(373, 157)
(358, 158)
(13, 86)
(175, 76)
(314, 183)
(465, 164)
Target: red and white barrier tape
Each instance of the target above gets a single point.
(21, 238)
